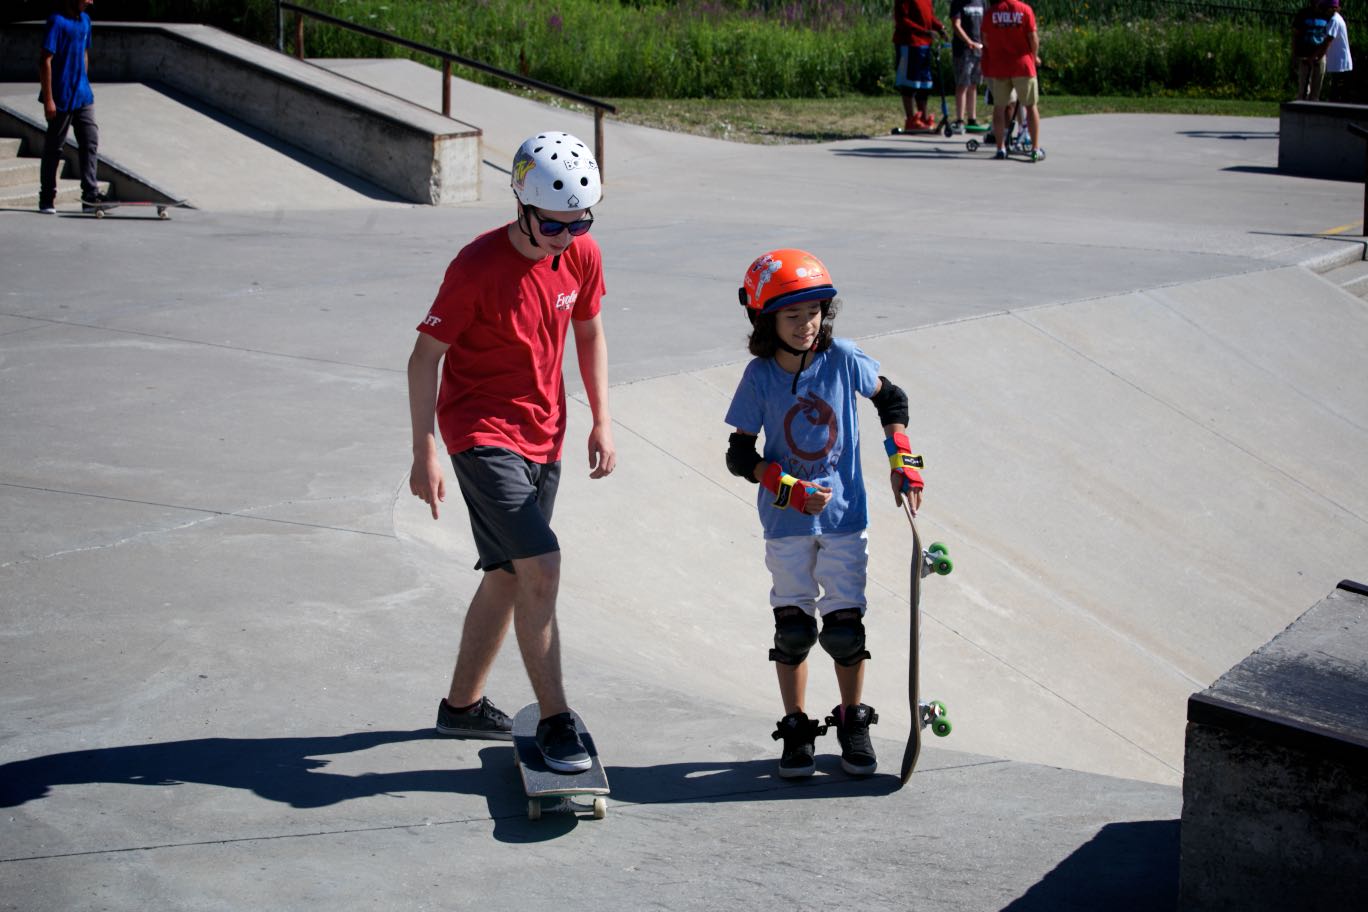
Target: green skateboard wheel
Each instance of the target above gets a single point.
(941, 727)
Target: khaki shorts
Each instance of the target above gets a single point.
(1025, 86)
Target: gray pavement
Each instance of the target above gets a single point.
(224, 623)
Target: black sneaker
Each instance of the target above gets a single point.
(484, 720)
(798, 733)
(560, 744)
(93, 201)
(852, 730)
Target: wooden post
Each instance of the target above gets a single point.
(446, 88)
(598, 139)
(299, 35)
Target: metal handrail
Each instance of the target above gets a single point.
(447, 58)
(1361, 133)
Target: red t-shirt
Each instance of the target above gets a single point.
(1007, 29)
(506, 318)
(914, 22)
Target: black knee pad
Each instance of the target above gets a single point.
(843, 637)
(795, 633)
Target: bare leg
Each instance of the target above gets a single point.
(486, 624)
(792, 685)
(1033, 124)
(850, 678)
(909, 105)
(534, 622)
(1000, 125)
(962, 103)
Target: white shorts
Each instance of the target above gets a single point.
(818, 573)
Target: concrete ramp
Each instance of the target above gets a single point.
(1138, 491)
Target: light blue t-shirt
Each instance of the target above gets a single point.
(67, 40)
(814, 434)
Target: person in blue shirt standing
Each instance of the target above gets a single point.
(68, 103)
(801, 391)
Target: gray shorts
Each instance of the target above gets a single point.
(968, 68)
(509, 500)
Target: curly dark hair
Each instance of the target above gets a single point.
(764, 338)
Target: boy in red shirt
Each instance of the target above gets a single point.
(497, 331)
(1011, 52)
(913, 26)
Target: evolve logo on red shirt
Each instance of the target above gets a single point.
(1007, 31)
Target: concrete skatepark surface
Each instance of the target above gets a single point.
(226, 623)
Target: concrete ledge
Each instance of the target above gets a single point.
(123, 182)
(1314, 140)
(407, 149)
(1276, 785)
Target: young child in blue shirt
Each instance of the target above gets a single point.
(801, 391)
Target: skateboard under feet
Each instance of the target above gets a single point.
(541, 783)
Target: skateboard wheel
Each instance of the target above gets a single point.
(972, 145)
(941, 727)
(534, 809)
(600, 808)
(944, 565)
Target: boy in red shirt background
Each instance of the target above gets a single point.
(1011, 52)
(913, 27)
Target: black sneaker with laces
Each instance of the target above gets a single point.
(852, 730)
(560, 744)
(799, 734)
(483, 720)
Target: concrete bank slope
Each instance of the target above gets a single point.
(225, 623)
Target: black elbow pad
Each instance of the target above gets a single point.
(742, 457)
(891, 402)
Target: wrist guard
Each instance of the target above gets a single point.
(789, 492)
(902, 462)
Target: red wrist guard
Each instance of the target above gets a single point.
(788, 491)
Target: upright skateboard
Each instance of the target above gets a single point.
(933, 560)
(540, 781)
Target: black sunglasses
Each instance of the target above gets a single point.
(552, 227)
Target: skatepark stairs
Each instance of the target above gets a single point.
(19, 178)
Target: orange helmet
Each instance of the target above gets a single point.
(783, 277)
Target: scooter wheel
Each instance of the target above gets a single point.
(972, 145)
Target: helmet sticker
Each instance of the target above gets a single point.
(521, 165)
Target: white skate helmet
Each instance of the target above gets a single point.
(556, 171)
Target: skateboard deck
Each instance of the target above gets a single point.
(100, 210)
(934, 559)
(541, 782)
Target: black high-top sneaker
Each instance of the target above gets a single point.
(798, 733)
(852, 730)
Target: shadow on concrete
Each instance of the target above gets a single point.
(1230, 134)
(920, 151)
(1125, 867)
(287, 770)
(742, 780)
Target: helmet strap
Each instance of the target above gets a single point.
(525, 222)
